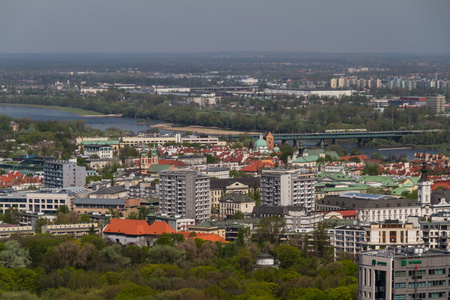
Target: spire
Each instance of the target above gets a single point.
(154, 151)
(321, 146)
(424, 176)
(144, 152)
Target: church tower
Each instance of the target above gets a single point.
(424, 187)
(154, 157)
(143, 163)
(270, 141)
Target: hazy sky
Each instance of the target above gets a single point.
(225, 25)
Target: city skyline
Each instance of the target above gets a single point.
(203, 26)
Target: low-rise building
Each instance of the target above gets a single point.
(220, 187)
(76, 230)
(392, 233)
(113, 192)
(137, 232)
(101, 151)
(219, 173)
(34, 202)
(236, 202)
(7, 230)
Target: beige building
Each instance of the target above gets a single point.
(235, 202)
(219, 230)
(7, 230)
(436, 103)
(392, 233)
(220, 187)
(76, 230)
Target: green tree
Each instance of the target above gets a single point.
(244, 237)
(84, 218)
(238, 215)
(143, 212)
(41, 222)
(63, 209)
(14, 256)
(371, 168)
(287, 255)
(12, 216)
(271, 229)
(320, 237)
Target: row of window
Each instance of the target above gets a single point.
(439, 271)
(420, 296)
(420, 284)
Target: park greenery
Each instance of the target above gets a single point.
(61, 267)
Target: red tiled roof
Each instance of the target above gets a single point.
(361, 157)
(178, 163)
(203, 236)
(137, 227)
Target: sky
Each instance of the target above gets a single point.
(180, 26)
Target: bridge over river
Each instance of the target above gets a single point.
(334, 136)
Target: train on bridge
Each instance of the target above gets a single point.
(344, 130)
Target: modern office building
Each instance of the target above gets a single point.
(288, 187)
(185, 194)
(38, 202)
(61, 174)
(436, 103)
(403, 273)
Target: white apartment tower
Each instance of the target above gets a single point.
(288, 187)
(61, 174)
(185, 193)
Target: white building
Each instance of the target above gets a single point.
(61, 174)
(288, 187)
(185, 193)
(102, 151)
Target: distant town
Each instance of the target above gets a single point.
(243, 189)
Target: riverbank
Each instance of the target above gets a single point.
(201, 129)
(77, 111)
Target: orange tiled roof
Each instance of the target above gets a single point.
(203, 236)
(137, 227)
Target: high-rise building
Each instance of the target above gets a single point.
(288, 187)
(185, 193)
(403, 273)
(333, 83)
(436, 103)
(61, 174)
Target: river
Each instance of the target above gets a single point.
(103, 123)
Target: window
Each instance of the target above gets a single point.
(418, 273)
(419, 284)
(419, 296)
(400, 297)
(400, 285)
(399, 273)
(436, 295)
(436, 283)
(436, 271)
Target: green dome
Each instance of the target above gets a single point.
(260, 143)
(276, 149)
